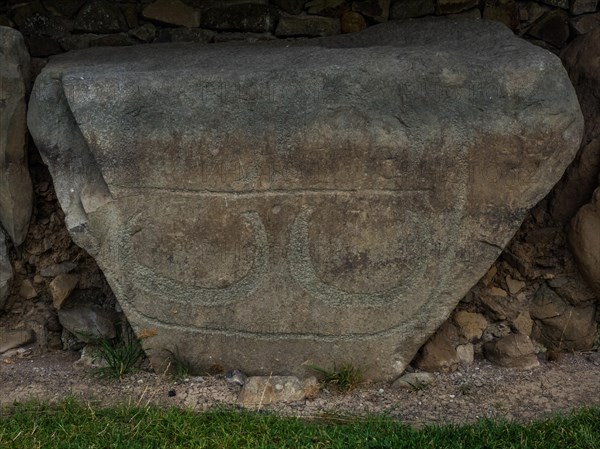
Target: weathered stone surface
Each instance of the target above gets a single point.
(330, 8)
(584, 238)
(583, 6)
(290, 6)
(66, 8)
(100, 16)
(514, 285)
(185, 35)
(61, 287)
(307, 26)
(522, 324)
(173, 12)
(352, 22)
(16, 192)
(88, 321)
(145, 33)
(504, 11)
(58, 269)
(454, 6)
(564, 4)
(553, 28)
(582, 61)
(6, 273)
(251, 16)
(465, 353)
(414, 381)
(330, 201)
(263, 390)
(558, 325)
(585, 24)
(512, 351)
(532, 11)
(246, 37)
(572, 288)
(13, 338)
(27, 290)
(407, 9)
(470, 325)
(439, 353)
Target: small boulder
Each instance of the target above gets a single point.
(512, 351)
(100, 16)
(414, 381)
(558, 325)
(352, 22)
(439, 353)
(89, 322)
(264, 390)
(470, 325)
(465, 353)
(522, 324)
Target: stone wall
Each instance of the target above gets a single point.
(534, 289)
(54, 26)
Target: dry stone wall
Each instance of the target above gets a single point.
(537, 259)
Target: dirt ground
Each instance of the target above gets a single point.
(480, 390)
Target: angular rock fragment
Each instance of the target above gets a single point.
(330, 201)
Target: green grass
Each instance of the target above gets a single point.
(345, 378)
(122, 356)
(75, 425)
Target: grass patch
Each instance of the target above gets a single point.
(72, 424)
(122, 356)
(180, 366)
(345, 378)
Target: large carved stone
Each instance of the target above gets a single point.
(16, 192)
(268, 206)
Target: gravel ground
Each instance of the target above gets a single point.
(476, 391)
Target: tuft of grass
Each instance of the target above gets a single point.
(466, 387)
(122, 355)
(180, 365)
(73, 424)
(345, 378)
(417, 385)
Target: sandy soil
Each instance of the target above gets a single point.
(480, 390)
